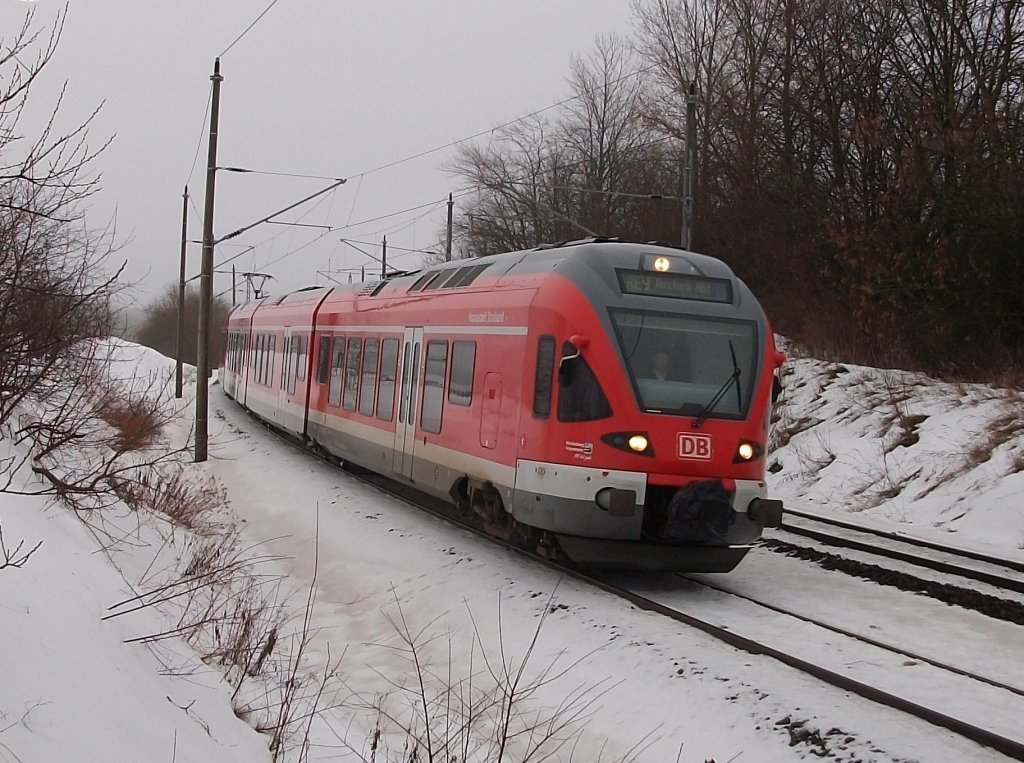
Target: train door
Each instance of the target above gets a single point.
(405, 429)
(228, 375)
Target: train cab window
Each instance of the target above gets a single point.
(323, 361)
(580, 397)
(543, 380)
(460, 383)
(433, 386)
(368, 386)
(337, 360)
(355, 347)
(388, 371)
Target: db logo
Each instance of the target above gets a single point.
(695, 446)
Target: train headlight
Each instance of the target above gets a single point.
(662, 264)
(631, 442)
(638, 443)
(747, 451)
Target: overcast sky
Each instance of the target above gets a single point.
(320, 87)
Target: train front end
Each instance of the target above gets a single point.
(662, 374)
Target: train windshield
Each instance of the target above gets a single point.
(681, 364)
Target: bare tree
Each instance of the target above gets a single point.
(592, 168)
(56, 291)
(159, 326)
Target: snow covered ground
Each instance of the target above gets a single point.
(392, 588)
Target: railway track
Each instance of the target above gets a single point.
(1002, 575)
(1005, 744)
(988, 737)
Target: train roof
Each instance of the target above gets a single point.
(585, 253)
(592, 263)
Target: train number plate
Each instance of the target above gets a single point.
(697, 446)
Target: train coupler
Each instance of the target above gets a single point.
(767, 512)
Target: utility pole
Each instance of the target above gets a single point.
(180, 343)
(384, 258)
(448, 238)
(689, 176)
(206, 277)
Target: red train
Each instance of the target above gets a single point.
(602, 400)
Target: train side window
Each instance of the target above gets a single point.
(433, 386)
(580, 397)
(388, 369)
(300, 367)
(271, 360)
(460, 383)
(323, 361)
(295, 365)
(337, 360)
(259, 358)
(544, 377)
(355, 347)
(368, 386)
(406, 363)
(421, 281)
(286, 362)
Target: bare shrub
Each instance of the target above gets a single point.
(136, 425)
(15, 557)
(174, 496)
(493, 711)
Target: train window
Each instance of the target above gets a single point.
(679, 363)
(580, 397)
(300, 367)
(543, 380)
(457, 276)
(368, 386)
(337, 359)
(355, 347)
(406, 357)
(271, 360)
(294, 370)
(286, 362)
(323, 367)
(442, 276)
(421, 282)
(460, 384)
(259, 358)
(388, 369)
(433, 386)
(466, 275)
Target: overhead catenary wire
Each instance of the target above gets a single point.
(244, 33)
(466, 139)
(433, 204)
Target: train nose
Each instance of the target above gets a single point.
(700, 512)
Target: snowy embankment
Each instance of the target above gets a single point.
(903, 450)
(169, 681)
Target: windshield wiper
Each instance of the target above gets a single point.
(734, 378)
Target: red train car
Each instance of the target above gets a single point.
(604, 399)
